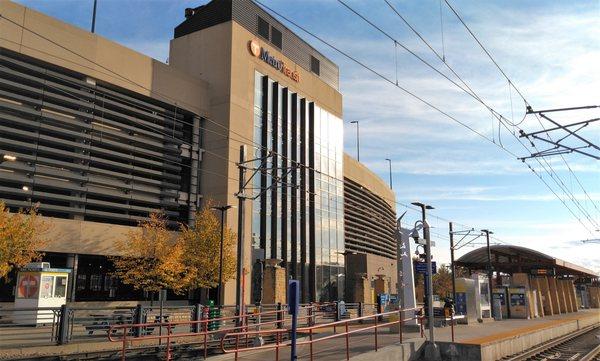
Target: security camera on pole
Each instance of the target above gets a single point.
(432, 352)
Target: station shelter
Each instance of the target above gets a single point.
(533, 284)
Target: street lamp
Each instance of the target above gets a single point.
(222, 209)
(390, 163)
(432, 352)
(357, 139)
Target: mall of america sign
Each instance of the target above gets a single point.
(263, 54)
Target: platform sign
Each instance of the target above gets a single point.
(421, 267)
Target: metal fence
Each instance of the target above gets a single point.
(24, 327)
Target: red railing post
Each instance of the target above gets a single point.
(452, 325)
(168, 342)
(277, 346)
(376, 318)
(123, 346)
(347, 343)
(400, 322)
(310, 336)
(205, 323)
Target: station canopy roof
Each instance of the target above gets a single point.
(511, 259)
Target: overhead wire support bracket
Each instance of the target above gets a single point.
(571, 130)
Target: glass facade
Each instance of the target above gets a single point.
(298, 215)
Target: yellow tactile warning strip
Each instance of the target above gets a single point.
(522, 330)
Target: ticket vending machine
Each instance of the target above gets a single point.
(500, 295)
(483, 296)
(39, 286)
(518, 304)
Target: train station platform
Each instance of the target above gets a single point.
(482, 341)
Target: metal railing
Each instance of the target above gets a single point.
(365, 323)
(204, 332)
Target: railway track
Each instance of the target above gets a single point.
(583, 345)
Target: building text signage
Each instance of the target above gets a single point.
(263, 54)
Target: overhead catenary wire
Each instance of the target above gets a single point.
(402, 88)
(494, 113)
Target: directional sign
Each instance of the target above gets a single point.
(421, 267)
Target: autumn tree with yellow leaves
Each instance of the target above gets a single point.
(201, 243)
(20, 238)
(151, 257)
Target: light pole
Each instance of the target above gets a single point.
(432, 352)
(357, 139)
(222, 209)
(489, 267)
(390, 164)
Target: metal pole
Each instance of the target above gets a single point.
(390, 163)
(222, 209)
(94, 16)
(240, 231)
(429, 274)
(489, 268)
(357, 139)
(452, 267)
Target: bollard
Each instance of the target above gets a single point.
(139, 318)
(336, 316)
(279, 315)
(360, 311)
(63, 325)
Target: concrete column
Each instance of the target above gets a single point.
(571, 290)
(565, 296)
(274, 289)
(547, 298)
(554, 296)
(594, 292)
(537, 290)
(72, 263)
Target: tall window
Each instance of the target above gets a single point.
(276, 37)
(263, 28)
(315, 65)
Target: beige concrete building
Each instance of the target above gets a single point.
(104, 135)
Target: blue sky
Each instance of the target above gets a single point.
(549, 49)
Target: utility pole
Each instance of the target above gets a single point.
(489, 266)
(240, 234)
(94, 16)
(452, 267)
(432, 352)
(390, 163)
(223, 209)
(357, 139)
